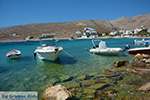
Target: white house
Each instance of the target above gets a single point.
(14, 34)
(90, 31)
(128, 32)
(78, 32)
(148, 30)
(137, 30)
(112, 33)
(122, 31)
(84, 36)
(103, 34)
(93, 36)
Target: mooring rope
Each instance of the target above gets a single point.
(74, 57)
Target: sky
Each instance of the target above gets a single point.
(20, 12)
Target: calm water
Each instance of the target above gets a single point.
(28, 73)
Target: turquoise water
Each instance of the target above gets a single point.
(30, 74)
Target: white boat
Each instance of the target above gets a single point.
(13, 54)
(48, 52)
(102, 49)
(71, 38)
(142, 50)
(143, 42)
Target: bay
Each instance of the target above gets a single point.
(32, 74)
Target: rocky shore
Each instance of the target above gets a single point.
(128, 81)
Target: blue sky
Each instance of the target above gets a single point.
(19, 12)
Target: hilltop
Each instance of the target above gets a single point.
(133, 22)
(67, 29)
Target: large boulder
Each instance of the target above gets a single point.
(120, 63)
(57, 92)
(141, 60)
(145, 87)
(138, 63)
(138, 56)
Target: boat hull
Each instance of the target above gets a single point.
(51, 56)
(14, 54)
(48, 53)
(108, 51)
(139, 50)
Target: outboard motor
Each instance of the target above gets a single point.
(56, 49)
(127, 47)
(34, 54)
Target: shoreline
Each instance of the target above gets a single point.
(106, 37)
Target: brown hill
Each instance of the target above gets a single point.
(67, 29)
(63, 29)
(133, 22)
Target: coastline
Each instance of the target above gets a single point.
(105, 37)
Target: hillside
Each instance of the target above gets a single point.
(67, 29)
(133, 22)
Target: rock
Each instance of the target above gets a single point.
(138, 56)
(141, 71)
(131, 70)
(147, 61)
(98, 86)
(78, 95)
(108, 71)
(72, 85)
(84, 77)
(138, 63)
(145, 87)
(86, 83)
(89, 91)
(119, 77)
(143, 60)
(120, 63)
(68, 79)
(145, 56)
(109, 92)
(56, 82)
(89, 96)
(147, 65)
(57, 92)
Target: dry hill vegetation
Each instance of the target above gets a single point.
(67, 29)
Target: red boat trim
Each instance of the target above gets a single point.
(13, 55)
(139, 51)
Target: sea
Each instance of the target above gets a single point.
(32, 74)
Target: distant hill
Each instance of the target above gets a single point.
(67, 29)
(133, 22)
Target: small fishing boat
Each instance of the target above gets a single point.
(71, 38)
(143, 42)
(48, 52)
(102, 49)
(143, 50)
(13, 54)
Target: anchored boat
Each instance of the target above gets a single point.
(144, 50)
(143, 42)
(48, 52)
(13, 54)
(102, 49)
